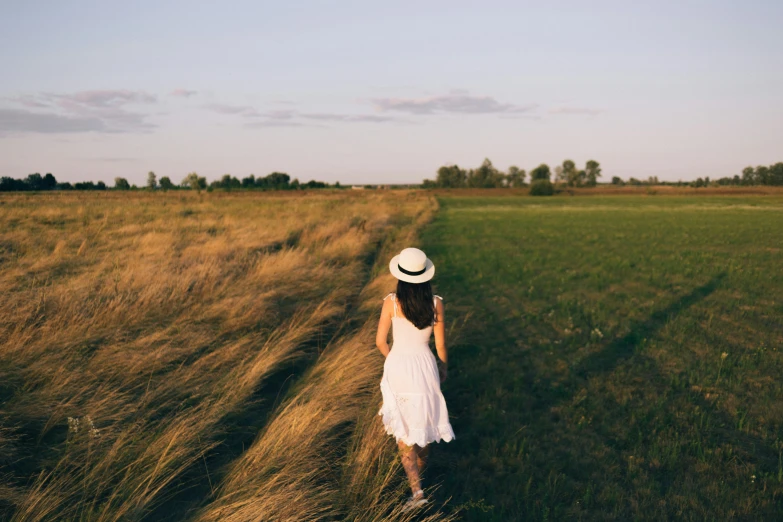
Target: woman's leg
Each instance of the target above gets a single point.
(409, 458)
(421, 457)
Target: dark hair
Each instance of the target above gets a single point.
(416, 302)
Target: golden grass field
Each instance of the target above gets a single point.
(197, 356)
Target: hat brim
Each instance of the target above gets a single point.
(429, 271)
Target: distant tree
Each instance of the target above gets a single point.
(121, 184)
(559, 175)
(49, 182)
(540, 172)
(635, 182)
(541, 187)
(275, 181)
(34, 182)
(570, 174)
(8, 184)
(228, 182)
(593, 172)
(225, 182)
(100, 186)
(486, 176)
(776, 174)
(748, 176)
(249, 181)
(515, 177)
(761, 175)
(616, 180)
(152, 180)
(193, 181)
(295, 184)
(165, 183)
(64, 186)
(451, 176)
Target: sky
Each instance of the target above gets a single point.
(387, 92)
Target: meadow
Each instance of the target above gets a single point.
(210, 356)
(193, 356)
(619, 357)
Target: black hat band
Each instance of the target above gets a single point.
(407, 272)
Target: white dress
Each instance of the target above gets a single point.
(413, 409)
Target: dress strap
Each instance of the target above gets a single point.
(394, 300)
(435, 307)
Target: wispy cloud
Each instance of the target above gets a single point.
(106, 98)
(221, 108)
(277, 123)
(84, 111)
(354, 118)
(182, 93)
(22, 120)
(565, 109)
(291, 117)
(31, 101)
(457, 102)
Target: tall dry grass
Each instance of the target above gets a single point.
(139, 333)
(325, 455)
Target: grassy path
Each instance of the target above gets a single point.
(617, 358)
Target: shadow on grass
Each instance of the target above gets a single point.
(478, 469)
(624, 347)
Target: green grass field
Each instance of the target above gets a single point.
(614, 358)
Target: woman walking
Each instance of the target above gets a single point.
(413, 410)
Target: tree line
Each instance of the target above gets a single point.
(273, 181)
(761, 175)
(487, 176)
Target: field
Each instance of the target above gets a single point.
(197, 356)
(619, 357)
(210, 357)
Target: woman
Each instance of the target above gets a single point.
(413, 410)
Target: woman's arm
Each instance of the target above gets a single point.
(382, 337)
(440, 338)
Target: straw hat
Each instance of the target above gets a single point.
(412, 266)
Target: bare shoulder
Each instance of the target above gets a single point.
(387, 305)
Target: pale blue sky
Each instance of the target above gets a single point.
(387, 91)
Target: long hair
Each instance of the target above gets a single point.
(416, 302)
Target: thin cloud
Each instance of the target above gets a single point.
(243, 110)
(84, 111)
(106, 98)
(290, 117)
(31, 101)
(21, 120)
(575, 110)
(277, 123)
(281, 115)
(183, 93)
(350, 118)
(457, 102)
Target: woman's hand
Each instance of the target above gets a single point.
(442, 372)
